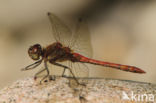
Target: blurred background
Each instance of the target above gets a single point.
(122, 31)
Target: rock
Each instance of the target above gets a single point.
(97, 90)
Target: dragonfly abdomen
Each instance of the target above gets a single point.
(107, 64)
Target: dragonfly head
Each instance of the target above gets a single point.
(35, 52)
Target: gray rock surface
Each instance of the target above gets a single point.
(59, 91)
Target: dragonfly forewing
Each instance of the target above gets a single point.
(78, 41)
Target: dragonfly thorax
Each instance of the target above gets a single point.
(57, 52)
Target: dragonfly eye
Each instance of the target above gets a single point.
(35, 51)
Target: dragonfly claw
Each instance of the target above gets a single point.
(47, 78)
(83, 84)
(35, 78)
(23, 69)
(64, 76)
(52, 77)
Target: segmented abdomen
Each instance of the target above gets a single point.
(83, 59)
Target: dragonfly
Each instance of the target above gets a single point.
(61, 51)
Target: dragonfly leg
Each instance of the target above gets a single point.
(46, 68)
(32, 66)
(65, 67)
(35, 77)
(64, 72)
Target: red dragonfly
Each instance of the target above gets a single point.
(61, 50)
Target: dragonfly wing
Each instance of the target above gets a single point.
(80, 70)
(60, 30)
(81, 39)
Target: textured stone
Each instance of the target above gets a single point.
(59, 91)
